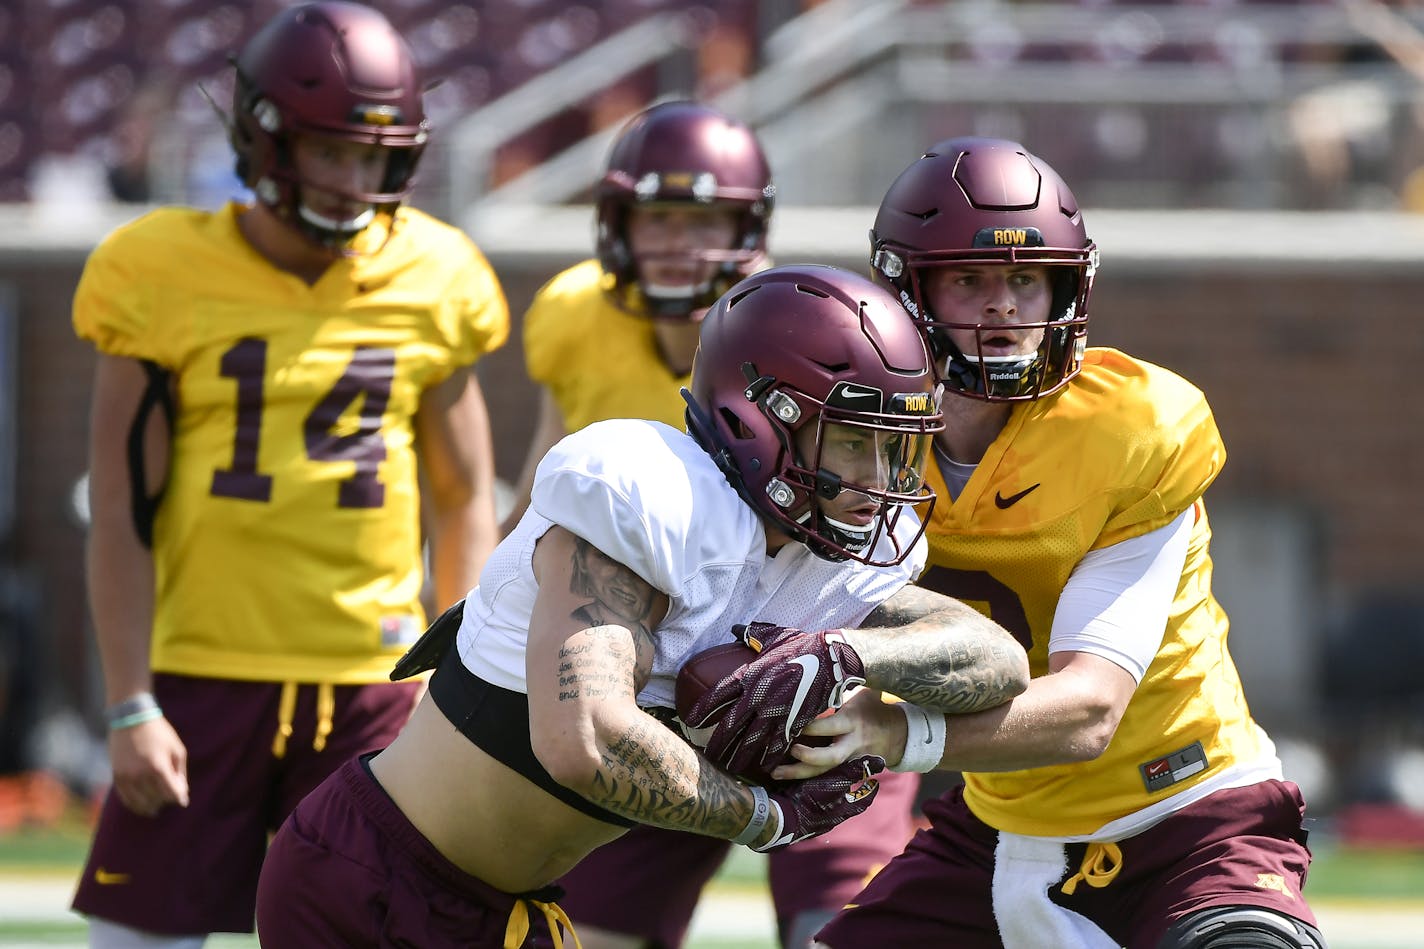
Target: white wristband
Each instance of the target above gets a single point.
(763, 809)
(924, 739)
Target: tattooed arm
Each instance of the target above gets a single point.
(935, 651)
(590, 650)
(1066, 716)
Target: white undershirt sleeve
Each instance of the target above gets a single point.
(1117, 600)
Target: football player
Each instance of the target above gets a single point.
(683, 211)
(546, 730)
(1126, 798)
(270, 379)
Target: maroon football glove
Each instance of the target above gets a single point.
(756, 712)
(818, 804)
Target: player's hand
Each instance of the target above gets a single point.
(864, 725)
(150, 765)
(761, 708)
(814, 806)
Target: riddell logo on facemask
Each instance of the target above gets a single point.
(1002, 376)
(909, 304)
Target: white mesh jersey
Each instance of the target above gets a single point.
(648, 496)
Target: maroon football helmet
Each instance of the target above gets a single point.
(989, 201)
(809, 345)
(335, 69)
(682, 153)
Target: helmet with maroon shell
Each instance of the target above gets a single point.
(988, 201)
(815, 347)
(684, 153)
(333, 69)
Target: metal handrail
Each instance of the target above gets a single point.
(832, 40)
(475, 138)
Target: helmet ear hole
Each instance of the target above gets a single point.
(734, 424)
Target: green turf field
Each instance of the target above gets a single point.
(1374, 899)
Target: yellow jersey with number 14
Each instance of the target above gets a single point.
(287, 545)
(1123, 450)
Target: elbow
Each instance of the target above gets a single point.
(1016, 674)
(570, 760)
(452, 492)
(1007, 678)
(1094, 734)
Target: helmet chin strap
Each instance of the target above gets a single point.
(850, 536)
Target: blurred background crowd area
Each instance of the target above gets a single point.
(1183, 103)
(1251, 169)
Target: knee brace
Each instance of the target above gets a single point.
(1241, 927)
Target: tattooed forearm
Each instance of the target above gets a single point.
(934, 651)
(650, 775)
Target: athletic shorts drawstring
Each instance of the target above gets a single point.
(1100, 867)
(286, 710)
(559, 922)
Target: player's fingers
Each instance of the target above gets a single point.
(137, 796)
(177, 779)
(173, 788)
(813, 760)
(829, 724)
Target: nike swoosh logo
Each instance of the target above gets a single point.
(1004, 503)
(929, 729)
(810, 665)
(105, 878)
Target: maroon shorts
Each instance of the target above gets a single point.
(647, 882)
(1238, 847)
(348, 869)
(194, 869)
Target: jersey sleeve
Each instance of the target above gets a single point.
(601, 496)
(482, 314)
(1179, 458)
(113, 306)
(548, 324)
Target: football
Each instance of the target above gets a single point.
(704, 670)
(701, 672)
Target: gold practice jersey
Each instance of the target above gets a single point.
(287, 545)
(1125, 449)
(597, 361)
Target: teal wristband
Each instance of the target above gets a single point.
(135, 718)
(136, 710)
